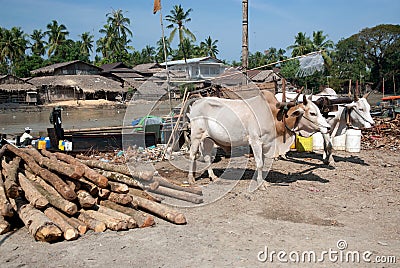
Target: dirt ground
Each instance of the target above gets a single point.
(353, 208)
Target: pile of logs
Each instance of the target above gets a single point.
(385, 134)
(58, 196)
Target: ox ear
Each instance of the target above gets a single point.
(297, 113)
(350, 105)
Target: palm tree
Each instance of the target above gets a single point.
(86, 45)
(160, 49)
(320, 42)
(116, 31)
(13, 44)
(209, 47)
(57, 36)
(148, 54)
(38, 46)
(302, 45)
(178, 18)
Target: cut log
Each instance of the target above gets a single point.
(85, 199)
(5, 206)
(111, 222)
(90, 174)
(38, 224)
(104, 193)
(143, 194)
(4, 225)
(10, 177)
(122, 178)
(130, 221)
(120, 188)
(74, 172)
(89, 186)
(61, 186)
(77, 224)
(122, 199)
(48, 154)
(189, 197)
(54, 198)
(74, 184)
(93, 224)
(191, 189)
(146, 175)
(34, 197)
(69, 232)
(142, 219)
(160, 210)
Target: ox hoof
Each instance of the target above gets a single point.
(264, 186)
(191, 180)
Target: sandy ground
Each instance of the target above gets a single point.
(308, 207)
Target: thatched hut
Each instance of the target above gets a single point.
(16, 90)
(75, 80)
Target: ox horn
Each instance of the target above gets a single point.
(366, 95)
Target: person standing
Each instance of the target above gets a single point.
(55, 119)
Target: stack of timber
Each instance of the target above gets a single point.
(58, 196)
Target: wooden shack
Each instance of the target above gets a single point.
(16, 90)
(74, 80)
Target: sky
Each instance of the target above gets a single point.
(272, 23)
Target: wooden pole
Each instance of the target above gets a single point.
(245, 36)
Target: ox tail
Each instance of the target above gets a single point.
(186, 119)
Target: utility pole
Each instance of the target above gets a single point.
(245, 36)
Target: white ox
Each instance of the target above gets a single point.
(256, 121)
(355, 114)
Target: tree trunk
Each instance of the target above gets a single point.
(141, 218)
(104, 193)
(69, 232)
(89, 186)
(190, 189)
(130, 221)
(144, 194)
(90, 174)
(74, 172)
(193, 198)
(111, 222)
(77, 224)
(123, 169)
(122, 199)
(92, 223)
(160, 210)
(38, 224)
(119, 177)
(10, 177)
(54, 198)
(5, 206)
(4, 226)
(34, 197)
(120, 188)
(85, 199)
(61, 186)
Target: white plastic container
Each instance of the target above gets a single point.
(353, 140)
(339, 143)
(318, 141)
(68, 146)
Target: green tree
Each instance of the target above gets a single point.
(209, 47)
(178, 18)
(13, 44)
(115, 44)
(57, 35)
(160, 50)
(302, 45)
(86, 43)
(38, 45)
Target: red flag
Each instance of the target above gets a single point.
(157, 6)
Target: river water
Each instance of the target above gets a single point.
(13, 122)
